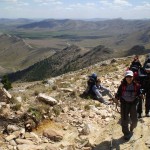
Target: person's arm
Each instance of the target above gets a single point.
(96, 91)
(119, 92)
(140, 66)
(104, 88)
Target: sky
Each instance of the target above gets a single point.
(75, 9)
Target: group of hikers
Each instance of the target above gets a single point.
(134, 88)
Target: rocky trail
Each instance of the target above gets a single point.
(51, 114)
(113, 137)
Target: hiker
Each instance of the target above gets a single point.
(97, 90)
(136, 64)
(128, 93)
(146, 87)
(100, 91)
(91, 82)
(147, 60)
(144, 81)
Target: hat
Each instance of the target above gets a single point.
(147, 67)
(94, 75)
(129, 73)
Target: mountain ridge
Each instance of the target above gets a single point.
(71, 58)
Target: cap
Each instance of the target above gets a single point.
(94, 75)
(129, 73)
(147, 67)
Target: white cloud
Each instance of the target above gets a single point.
(23, 4)
(74, 9)
(48, 1)
(106, 3)
(10, 0)
(122, 3)
(115, 3)
(10, 3)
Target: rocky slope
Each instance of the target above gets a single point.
(62, 119)
(16, 54)
(69, 59)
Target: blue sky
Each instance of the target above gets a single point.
(75, 9)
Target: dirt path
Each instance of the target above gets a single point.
(139, 141)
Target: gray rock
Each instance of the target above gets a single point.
(52, 135)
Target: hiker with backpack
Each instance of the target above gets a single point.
(144, 81)
(146, 87)
(147, 60)
(97, 90)
(136, 64)
(128, 93)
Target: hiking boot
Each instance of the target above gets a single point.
(131, 129)
(128, 136)
(148, 114)
(139, 116)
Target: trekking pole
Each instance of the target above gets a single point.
(115, 101)
(111, 141)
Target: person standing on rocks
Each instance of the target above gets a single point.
(128, 93)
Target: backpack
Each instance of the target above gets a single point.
(147, 60)
(136, 87)
(122, 89)
(135, 66)
(89, 92)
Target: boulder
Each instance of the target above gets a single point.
(4, 95)
(47, 99)
(52, 135)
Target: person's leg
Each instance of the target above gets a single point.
(99, 97)
(106, 92)
(133, 116)
(147, 105)
(139, 108)
(125, 118)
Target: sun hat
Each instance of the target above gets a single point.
(94, 75)
(129, 73)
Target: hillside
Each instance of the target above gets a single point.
(72, 122)
(30, 42)
(69, 59)
(16, 54)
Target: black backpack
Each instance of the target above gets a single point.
(91, 82)
(89, 92)
(147, 60)
(135, 66)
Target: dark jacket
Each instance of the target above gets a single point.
(146, 84)
(135, 65)
(122, 89)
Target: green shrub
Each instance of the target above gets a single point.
(36, 113)
(87, 107)
(57, 110)
(6, 83)
(16, 107)
(36, 93)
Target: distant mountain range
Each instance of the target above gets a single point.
(89, 42)
(106, 25)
